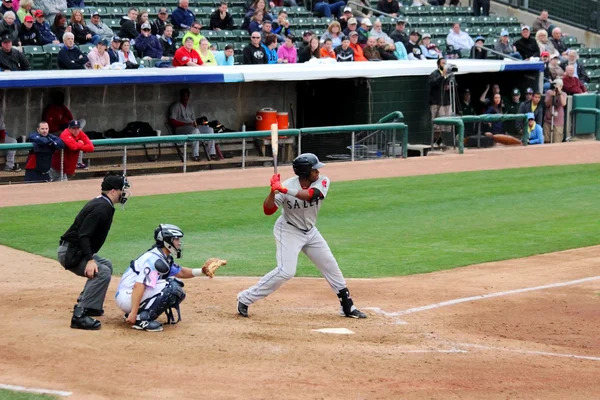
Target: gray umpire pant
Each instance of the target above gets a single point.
(95, 288)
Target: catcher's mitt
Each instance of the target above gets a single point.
(211, 265)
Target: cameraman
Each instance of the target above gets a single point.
(439, 98)
(554, 116)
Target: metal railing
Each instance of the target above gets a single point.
(381, 13)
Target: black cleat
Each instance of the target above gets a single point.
(81, 320)
(355, 313)
(242, 309)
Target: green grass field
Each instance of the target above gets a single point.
(376, 228)
(12, 395)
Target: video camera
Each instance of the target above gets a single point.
(451, 68)
(552, 86)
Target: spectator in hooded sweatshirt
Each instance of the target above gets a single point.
(28, 33)
(458, 39)
(206, 55)
(270, 46)
(99, 28)
(70, 57)
(225, 57)
(343, 53)
(98, 57)
(534, 130)
(254, 53)
(129, 25)
(478, 52)
(287, 52)
(75, 140)
(526, 45)
(220, 19)
(148, 44)
(43, 27)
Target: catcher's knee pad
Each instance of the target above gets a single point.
(345, 300)
(164, 302)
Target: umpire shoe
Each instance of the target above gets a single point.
(83, 321)
(355, 313)
(147, 325)
(92, 312)
(242, 309)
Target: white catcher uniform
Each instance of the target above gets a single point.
(295, 231)
(147, 275)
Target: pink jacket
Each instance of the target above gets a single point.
(95, 58)
(286, 53)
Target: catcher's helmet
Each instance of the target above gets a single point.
(306, 162)
(164, 235)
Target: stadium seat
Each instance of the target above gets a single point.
(103, 3)
(115, 12)
(37, 57)
(212, 36)
(52, 50)
(86, 48)
(114, 24)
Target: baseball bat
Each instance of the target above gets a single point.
(274, 144)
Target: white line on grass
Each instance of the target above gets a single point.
(480, 297)
(35, 390)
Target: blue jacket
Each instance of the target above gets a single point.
(43, 147)
(149, 46)
(271, 54)
(46, 34)
(536, 136)
(182, 18)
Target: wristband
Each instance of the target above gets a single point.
(197, 272)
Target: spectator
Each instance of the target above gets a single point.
(143, 18)
(181, 116)
(554, 69)
(481, 8)
(25, 10)
(558, 42)
(70, 57)
(129, 24)
(221, 19)
(254, 53)
(98, 57)
(186, 56)
(377, 32)
(343, 19)
(467, 108)
(505, 47)
(256, 22)
(51, 8)
(359, 10)
(478, 52)
(513, 107)
(351, 26)
(363, 31)
(306, 37)
(99, 28)
(10, 165)
(59, 27)
(534, 107)
(487, 99)
(541, 23)
(82, 33)
(194, 34)
(343, 53)
(258, 5)
(334, 32)
(75, 141)
(386, 50)
(359, 54)
(270, 47)
(167, 42)
(113, 51)
(327, 9)
(400, 51)
(7, 5)
(439, 99)
(399, 34)
(56, 113)
(287, 52)
(312, 50)
(38, 162)
(11, 59)
(413, 41)
(159, 24)
(46, 34)
(28, 33)
(544, 44)
(371, 51)
(572, 59)
(267, 28)
(206, 55)
(526, 45)
(327, 49)
(534, 130)
(554, 116)
(182, 18)
(529, 95)
(9, 28)
(225, 57)
(458, 39)
(497, 107)
(126, 56)
(390, 7)
(147, 44)
(281, 28)
(572, 84)
(545, 56)
(428, 49)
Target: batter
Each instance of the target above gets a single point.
(300, 199)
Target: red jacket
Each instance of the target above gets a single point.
(572, 85)
(73, 145)
(57, 117)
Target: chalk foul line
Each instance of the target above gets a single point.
(531, 352)
(480, 297)
(35, 390)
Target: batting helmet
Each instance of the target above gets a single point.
(164, 235)
(305, 163)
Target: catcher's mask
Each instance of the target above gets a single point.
(305, 163)
(164, 236)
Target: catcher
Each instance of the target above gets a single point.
(150, 286)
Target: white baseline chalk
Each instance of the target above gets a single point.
(35, 390)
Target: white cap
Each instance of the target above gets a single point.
(347, 9)
(366, 21)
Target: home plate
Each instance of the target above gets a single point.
(336, 331)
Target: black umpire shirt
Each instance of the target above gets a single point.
(91, 226)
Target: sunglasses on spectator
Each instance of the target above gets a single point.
(255, 37)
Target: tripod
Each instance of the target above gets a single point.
(552, 120)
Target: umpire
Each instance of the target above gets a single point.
(79, 245)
